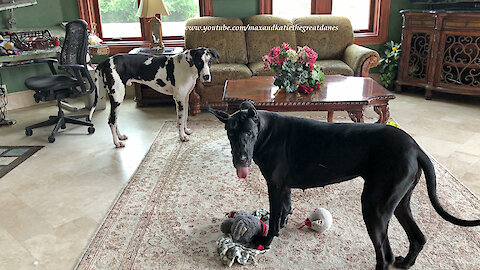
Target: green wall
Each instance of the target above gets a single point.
(235, 8)
(46, 14)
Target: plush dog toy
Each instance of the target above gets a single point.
(318, 220)
(243, 226)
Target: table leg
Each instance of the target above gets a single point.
(383, 111)
(330, 116)
(356, 116)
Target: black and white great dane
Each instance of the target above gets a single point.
(171, 75)
(294, 152)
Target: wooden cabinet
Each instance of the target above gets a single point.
(441, 51)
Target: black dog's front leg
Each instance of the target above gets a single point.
(286, 209)
(278, 197)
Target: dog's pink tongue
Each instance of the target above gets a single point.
(242, 172)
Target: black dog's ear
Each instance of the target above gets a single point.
(251, 110)
(247, 105)
(214, 53)
(221, 115)
(252, 113)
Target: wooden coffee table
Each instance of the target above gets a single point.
(338, 93)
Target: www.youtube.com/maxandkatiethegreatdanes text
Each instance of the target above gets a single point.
(274, 27)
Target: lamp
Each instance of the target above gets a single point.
(152, 8)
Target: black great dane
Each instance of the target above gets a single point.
(387, 158)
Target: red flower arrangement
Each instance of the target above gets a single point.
(294, 69)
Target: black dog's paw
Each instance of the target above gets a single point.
(284, 222)
(401, 263)
(261, 241)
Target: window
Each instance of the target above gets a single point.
(180, 12)
(116, 23)
(359, 12)
(369, 17)
(119, 19)
(285, 8)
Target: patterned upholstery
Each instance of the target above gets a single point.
(230, 45)
(329, 44)
(259, 42)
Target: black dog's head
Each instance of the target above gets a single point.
(201, 58)
(242, 131)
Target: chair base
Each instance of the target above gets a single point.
(60, 121)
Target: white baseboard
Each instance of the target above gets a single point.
(20, 99)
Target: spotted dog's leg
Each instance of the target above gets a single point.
(180, 116)
(185, 119)
(121, 137)
(116, 95)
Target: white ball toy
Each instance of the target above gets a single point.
(319, 220)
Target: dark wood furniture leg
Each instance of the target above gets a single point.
(194, 102)
(356, 116)
(369, 63)
(330, 116)
(383, 111)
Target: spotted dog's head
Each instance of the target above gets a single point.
(201, 58)
(242, 131)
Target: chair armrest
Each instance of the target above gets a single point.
(80, 71)
(49, 61)
(360, 59)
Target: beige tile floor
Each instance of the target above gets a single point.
(51, 205)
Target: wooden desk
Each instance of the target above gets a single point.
(337, 93)
(28, 57)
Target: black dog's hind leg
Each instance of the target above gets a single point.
(414, 234)
(377, 209)
(286, 209)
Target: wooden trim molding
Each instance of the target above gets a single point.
(206, 7)
(379, 34)
(265, 6)
(369, 63)
(321, 7)
(85, 8)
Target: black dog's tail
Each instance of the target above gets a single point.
(429, 171)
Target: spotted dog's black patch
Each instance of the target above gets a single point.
(214, 53)
(132, 66)
(197, 59)
(160, 82)
(189, 58)
(114, 105)
(106, 71)
(170, 69)
(180, 106)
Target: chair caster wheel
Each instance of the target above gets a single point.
(51, 139)
(63, 127)
(91, 130)
(28, 132)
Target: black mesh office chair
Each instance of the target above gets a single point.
(58, 87)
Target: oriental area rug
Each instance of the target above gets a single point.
(169, 214)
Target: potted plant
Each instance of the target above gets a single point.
(389, 64)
